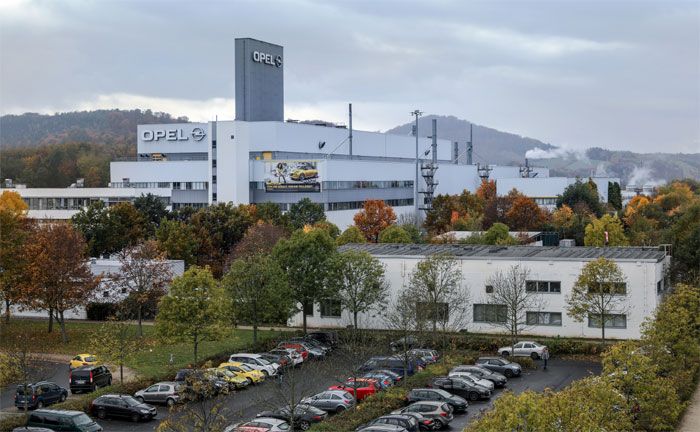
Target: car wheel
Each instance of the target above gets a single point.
(302, 177)
(534, 356)
(339, 409)
(304, 425)
(139, 398)
(473, 396)
(40, 405)
(250, 381)
(508, 373)
(170, 402)
(101, 414)
(62, 398)
(266, 374)
(135, 417)
(505, 353)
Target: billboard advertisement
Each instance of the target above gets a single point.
(292, 176)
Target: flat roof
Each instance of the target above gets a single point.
(527, 253)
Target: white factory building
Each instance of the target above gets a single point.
(260, 157)
(552, 274)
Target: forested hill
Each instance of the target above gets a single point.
(108, 127)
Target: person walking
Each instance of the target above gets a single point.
(545, 357)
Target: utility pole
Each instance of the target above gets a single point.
(350, 128)
(470, 145)
(416, 113)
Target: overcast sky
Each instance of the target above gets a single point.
(621, 75)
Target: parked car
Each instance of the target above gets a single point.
(312, 343)
(31, 429)
(256, 361)
(124, 406)
(331, 400)
(461, 387)
(195, 384)
(523, 349)
(234, 381)
(304, 415)
(405, 421)
(360, 388)
(473, 379)
(384, 380)
(329, 338)
(382, 428)
(457, 403)
(82, 360)
(312, 352)
(296, 346)
(39, 395)
(243, 370)
(262, 424)
(400, 366)
(166, 392)
(293, 354)
(432, 355)
(500, 365)
(391, 373)
(281, 359)
(440, 412)
(424, 423)
(404, 343)
(89, 378)
(70, 421)
(498, 379)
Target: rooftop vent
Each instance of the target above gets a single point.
(567, 243)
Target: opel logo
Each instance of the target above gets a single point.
(198, 134)
(278, 61)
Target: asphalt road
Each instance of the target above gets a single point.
(50, 371)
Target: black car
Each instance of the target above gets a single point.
(124, 406)
(89, 378)
(329, 338)
(39, 395)
(407, 422)
(460, 387)
(457, 403)
(304, 415)
(405, 343)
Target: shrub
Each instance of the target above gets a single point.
(525, 362)
(11, 421)
(100, 311)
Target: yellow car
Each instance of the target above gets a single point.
(304, 174)
(243, 371)
(83, 360)
(234, 381)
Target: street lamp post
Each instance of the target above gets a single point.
(416, 114)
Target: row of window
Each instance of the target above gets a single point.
(74, 203)
(545, 201)
(543, 286)
(356, 205)
(167, 185)
(497, 314)
(193, 205)
(345, 185)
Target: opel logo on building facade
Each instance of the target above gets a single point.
(268, 59)
(198, 134)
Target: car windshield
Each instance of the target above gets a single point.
(130, 401)
(443, 393)
(535, 344)
(263, 361)
(82, 419)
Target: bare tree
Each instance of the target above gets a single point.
(144, 274)
(401, 318)
(204, 410)
(18, 365)
(511, 299)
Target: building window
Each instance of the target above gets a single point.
(213, 196)
(490, 313)
(439, 312)
(213, 163)
(213, 179)
(330, 308)
(213, 143)
(188, 185)
(543, 286)
(611, 321)
(489, 289)
(618, 288)
(309, 308)
(659, 286)
(544, 318)
(176, 185)
(105, 294)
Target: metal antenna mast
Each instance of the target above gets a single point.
(416, 113)
(470, 144)
(350, 128)
(428, 170)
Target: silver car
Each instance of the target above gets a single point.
(261, 423)
(331, 400)
(166, 392)
(473, 379)
(523, 349)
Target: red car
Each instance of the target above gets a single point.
(300, 348)
(359, 387)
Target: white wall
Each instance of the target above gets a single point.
(162, 145)
(233, 164)
(160, 171)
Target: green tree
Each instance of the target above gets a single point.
(615, 195)
(581, 193)
(305, 212)
(413, 232)
(394, 234)
(599, 292)
(351, 235)
(684, 236)
(271, 213)
(357, 280)
(194, 310)
(93, 223)
(178, 240)
(304, 259)
(331, 228)
(152, 210)
(595, 232)
(116, 343)
(258, 291)
(498, 234)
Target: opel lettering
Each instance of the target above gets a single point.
(197, 134)
(268, 59)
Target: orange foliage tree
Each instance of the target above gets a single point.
(525, 215)
(373, 218)
(58, 277)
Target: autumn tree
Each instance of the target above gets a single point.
(260, 238)
(357, 280)
(305, 212)
(525, 215)
(599, 293)
(597, 229)
(486, 190)
(304, 259)
(684, 236)
(116, 343)
(351, 235)
(257, 291)
(580, 193)
(178, 240)
(14, 230)
(144, 275)
(271, 213)
(58, 276)
(373, 218)
(194, 310)
(513, 297)
(394, 234)
(439, 219)
(673, 196)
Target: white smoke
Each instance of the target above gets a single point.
(641, 176)
(556, 152)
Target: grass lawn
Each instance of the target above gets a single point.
(152, 361)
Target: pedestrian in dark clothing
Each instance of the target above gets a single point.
(545, 357)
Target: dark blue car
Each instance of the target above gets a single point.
(394, 364)
(39, 395)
